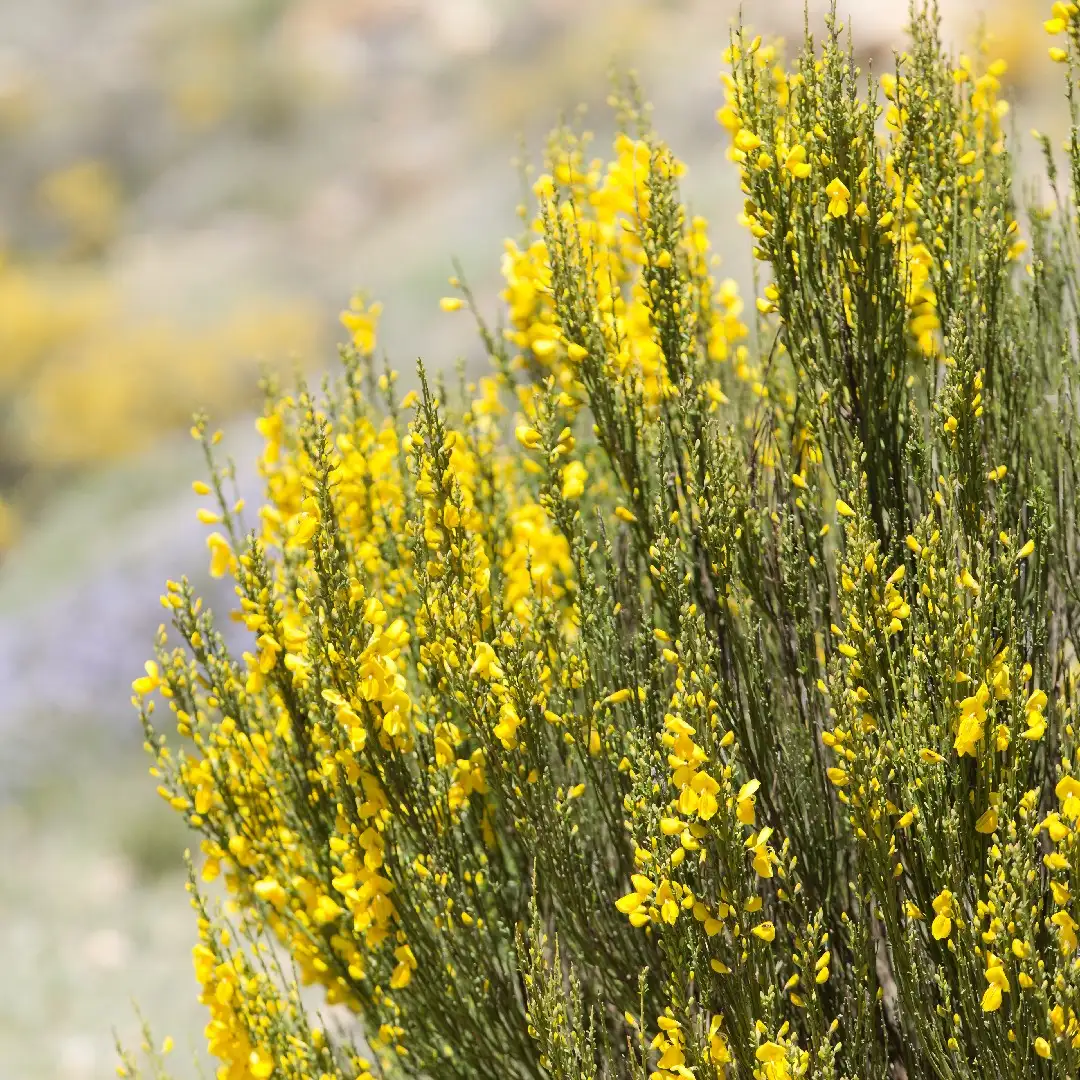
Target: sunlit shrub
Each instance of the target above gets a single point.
(685, 699)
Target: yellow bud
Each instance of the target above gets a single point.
(527, 436)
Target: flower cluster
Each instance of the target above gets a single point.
(677, 701)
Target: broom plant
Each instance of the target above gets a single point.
(693, 695)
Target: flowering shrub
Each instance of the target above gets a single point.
(82, 381)
(67, 341)
(686, 699)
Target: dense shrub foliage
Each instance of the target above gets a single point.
(689, 697)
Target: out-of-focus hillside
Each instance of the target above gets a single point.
(192, 188)
(189, 191)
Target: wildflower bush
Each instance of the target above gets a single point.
(83, 379)
(68, 340)
(693, 696)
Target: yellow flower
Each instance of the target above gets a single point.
(941, 927)
(149, 682)
(574, 476)
(406, 965)
(796, 162)
(991, 1000)
(1067, 792)
(506, 728)
(747, 141)
(362, 320)
(988, 821)
(972, 717)
(770, 1052)
(1036, 728)
(719, 1054)
(485, 665)
(744, 802)
(763, 860)
(527, 436)
(260, 1065)
(999, 984)
(968, 736)
(1067, 927)
(839, 197)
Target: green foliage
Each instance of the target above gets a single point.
(721, 723)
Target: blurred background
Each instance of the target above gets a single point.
(191, 191)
